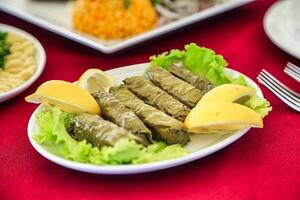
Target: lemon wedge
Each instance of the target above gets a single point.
(66, 96)
(94, 80)
(221, 117)
(229, 93)
(218, 128)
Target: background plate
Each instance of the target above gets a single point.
(279, 26)
(40, 57)
(200, 145)
(56, 16)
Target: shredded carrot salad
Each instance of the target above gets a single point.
(113, 19)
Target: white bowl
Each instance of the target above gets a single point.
(40, 60)
(200, 145)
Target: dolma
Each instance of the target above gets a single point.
(163, 126)
(183, 91)
(198, 81)
(156, 97)
(97, 131)
(114, 110)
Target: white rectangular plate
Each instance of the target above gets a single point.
(56, 17)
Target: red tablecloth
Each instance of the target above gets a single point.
(264, 164)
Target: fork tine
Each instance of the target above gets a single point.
(293, 71)
(277, 92)
(294, 67)
(276, 87)
(292, 74)
(280, 84)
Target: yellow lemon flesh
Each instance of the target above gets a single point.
(218, 128)
(229, 93)
(66, 96)
(94, 80)
(221, 117)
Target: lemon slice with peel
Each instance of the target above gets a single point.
(66, 96)
(94, 80)
(229, 93)
(221, 117)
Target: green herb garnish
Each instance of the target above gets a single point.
(3, 35)
(4, 48)
(157, 1)
(127, 3)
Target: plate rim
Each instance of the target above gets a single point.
(157, 32)
(136, 168)
(40, 65)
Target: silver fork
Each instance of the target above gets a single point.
(287, 95)
(293, 71)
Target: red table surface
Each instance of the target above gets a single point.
(264, 164)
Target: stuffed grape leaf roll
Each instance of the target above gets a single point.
(156, 97)
(114, 110)
(198, 81)
(183, 91)
(97, 131)
(163, 126)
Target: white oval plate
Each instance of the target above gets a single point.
(279, 26)
(200, 145)
(40, 60)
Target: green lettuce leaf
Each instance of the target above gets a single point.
(160, 151)
(53, 134)
(241, 80)
(165, 59)
(199, 60)
(259, 105)
(205, 62)
(123, 152)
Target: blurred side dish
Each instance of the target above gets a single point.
(17, 60)
(117, 19)
(110, 19)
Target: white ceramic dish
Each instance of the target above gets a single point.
(56, 16)
(40, 62)
(200, 145)
(279, 27)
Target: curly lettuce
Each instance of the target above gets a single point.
(53, 134)
(205, 62)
